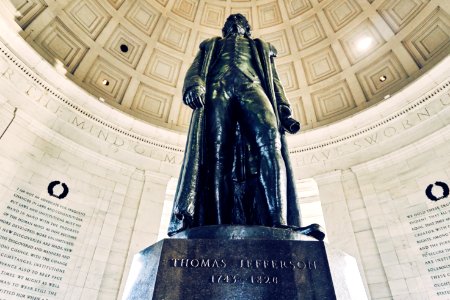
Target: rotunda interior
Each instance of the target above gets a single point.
(93, 130)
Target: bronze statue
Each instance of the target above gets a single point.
(236, 168)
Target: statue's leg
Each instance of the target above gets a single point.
(219, 131)
(260, 127)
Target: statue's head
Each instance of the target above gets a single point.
(236, 23)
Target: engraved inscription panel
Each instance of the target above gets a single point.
(430, 228)
(226, 269)
(37, 237)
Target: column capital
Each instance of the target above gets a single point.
(329, 177)
(155, 177)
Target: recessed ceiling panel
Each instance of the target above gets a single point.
(175, 36)
(89, 16)
(213, 16)
(361, 41)
(62, 44)
(288, 76)
(153, 103)
(335, 57)
(333, 101)
(164, 68)
(25, 11)
(125, 46)
(297, 7)
(298, 111)
(186, 9)
(320, 65)
(430, 38)
(107, 80)
(377, 77)
(398, 13)
(308, 32)
(279, 40)
(269, 14)
(144, 16)
(341, 12)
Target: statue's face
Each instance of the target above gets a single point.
(236, 24)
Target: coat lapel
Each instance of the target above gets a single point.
(207, 59)
(263, 53)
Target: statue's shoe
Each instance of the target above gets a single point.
(314, 230)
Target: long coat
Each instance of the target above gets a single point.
(188, 210)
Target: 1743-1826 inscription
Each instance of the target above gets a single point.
(37, 238)
(223, 275)
(229, 269)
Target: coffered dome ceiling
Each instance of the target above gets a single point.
(335, 57)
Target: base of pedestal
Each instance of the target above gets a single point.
(233, 262)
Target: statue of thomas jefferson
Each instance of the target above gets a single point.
(236, 168)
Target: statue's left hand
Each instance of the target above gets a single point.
(195, 97)
(289, 124)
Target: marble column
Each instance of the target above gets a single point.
(336, 213)
(148, 217)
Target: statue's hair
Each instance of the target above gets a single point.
(236, 18)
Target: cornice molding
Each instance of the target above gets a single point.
(65, 100)
(83, 111)
(414, 105)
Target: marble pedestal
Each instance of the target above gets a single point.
(240, 263)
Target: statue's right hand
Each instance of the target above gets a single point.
(195, 97)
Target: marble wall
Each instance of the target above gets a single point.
(117, 180)
(372, 171)
(120, 204)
